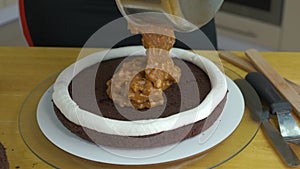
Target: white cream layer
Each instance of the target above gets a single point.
(72, 111)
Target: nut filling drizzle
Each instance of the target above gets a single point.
(140, 81)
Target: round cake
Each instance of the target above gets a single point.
(190, 107)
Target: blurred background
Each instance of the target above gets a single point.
(10, 30)
(267, 25)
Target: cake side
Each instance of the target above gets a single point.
(148, 141)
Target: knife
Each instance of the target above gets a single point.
(255, 107)
(288, 126)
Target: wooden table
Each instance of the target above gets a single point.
(22, 68)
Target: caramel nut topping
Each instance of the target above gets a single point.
(140, 82)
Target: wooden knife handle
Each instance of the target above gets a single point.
(247, 66)
(274, 77)
(293, 85)
(237, 61)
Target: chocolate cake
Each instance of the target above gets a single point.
(178, 119)
(3, 158)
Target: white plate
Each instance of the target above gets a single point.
(60, 136)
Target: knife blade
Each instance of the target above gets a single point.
(287, 124)
(254, 105)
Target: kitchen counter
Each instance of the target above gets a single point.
(23, 68)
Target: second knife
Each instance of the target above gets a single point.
(255, 107)
(288, 126)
